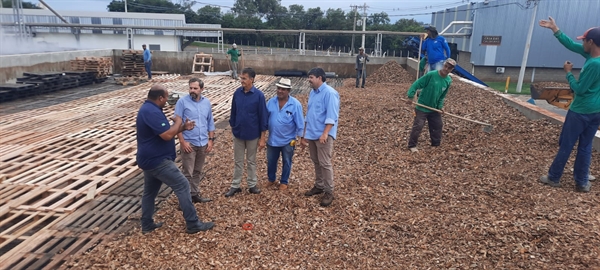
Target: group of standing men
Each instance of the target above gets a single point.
(251, 119)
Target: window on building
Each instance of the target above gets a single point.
(154, 47)
(159, 33)
(96, 20)
(118, 21)
(74, 20)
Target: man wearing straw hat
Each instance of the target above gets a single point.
(286, 125)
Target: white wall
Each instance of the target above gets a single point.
(108, 41)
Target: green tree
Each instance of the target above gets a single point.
(209, 14)
(8, 4)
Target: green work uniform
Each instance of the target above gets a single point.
(434, 90)
(587, 89)
(234, 54)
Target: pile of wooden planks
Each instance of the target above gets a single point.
(101, 65)
(203, 63)
(132, 63)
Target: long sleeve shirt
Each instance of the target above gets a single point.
(435, 49)
(435, 88)
(234, 54)
(587, 90)
(248, 114)
(199, 112)
(323, 108)
(147, 55)
(361, 61)
(285, 123)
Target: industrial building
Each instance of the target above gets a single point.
(499, 29)
(116, 38)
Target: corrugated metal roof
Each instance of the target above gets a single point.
(507, 19)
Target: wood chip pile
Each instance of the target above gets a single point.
(474, 202)
(390, 72)
(541, 85)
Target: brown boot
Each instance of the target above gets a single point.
(327, 199)
(283, 187)
(269, 184)
(313, 191)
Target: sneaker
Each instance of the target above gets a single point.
(283, 187)
(201, 227)
(583, 189)
(544, 179)
(413, 149)
(313, 191)
(591, 178)
(254, 190)
(232, 191)
(327, 199)
(152, 228)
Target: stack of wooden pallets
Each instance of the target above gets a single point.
(132, 63)
(101, 65)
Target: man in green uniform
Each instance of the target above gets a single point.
(583, 117)
(435, 85)
(234, 60)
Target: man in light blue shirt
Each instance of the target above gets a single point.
(198, 142)
(147, 61)
(321, 130)
(286, 123)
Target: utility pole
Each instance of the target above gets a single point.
(364, 23)
(527, 45)
(125, 5)
(355, 10)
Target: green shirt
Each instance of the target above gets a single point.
(234, 54)
(434, 90)
(587, 89)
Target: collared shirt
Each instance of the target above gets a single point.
(147, 55)
(199, 112)
(152, 149)
(285, 123)
(323, 109)
(248, 114)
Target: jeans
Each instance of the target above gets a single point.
(434, 121)
(234, 70)
(361, 73)
(241, 147)
(148, 67)
(287, 152)
(192, 164)
(168, 173)
(320, 154)
(577, 127)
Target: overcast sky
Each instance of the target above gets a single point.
(419, 10)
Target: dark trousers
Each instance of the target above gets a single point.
(361, 73)
(148, 67)
(434, 121)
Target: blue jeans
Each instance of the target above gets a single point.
(287, 152)
(577, 127)
(148, 67)
(168, 173)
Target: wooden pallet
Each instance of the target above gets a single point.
(203, 63)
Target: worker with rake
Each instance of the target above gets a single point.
(583, 118)
(434, 85)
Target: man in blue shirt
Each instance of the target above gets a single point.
(156, 155)
(286, 124)
(198, 142)
(147, 61)
(321, 130)
(248, 121)
(437, 49)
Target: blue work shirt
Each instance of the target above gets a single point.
(147, 55)
(285, 123)
(152, 149)
(248, 114)
(435, 49)
(323, 108)
(199, 112)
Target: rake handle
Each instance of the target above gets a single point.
(450, 114)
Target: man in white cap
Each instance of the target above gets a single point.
(361, 66)
(286, 125)
(234, 60)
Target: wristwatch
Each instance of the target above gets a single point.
(211, 139)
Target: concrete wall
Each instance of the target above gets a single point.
(13, 66)
(181, 63)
